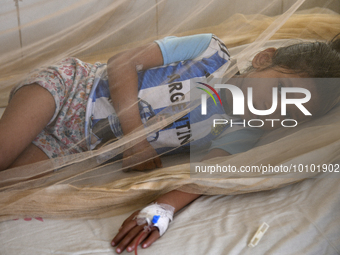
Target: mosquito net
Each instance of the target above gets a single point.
(93, 183)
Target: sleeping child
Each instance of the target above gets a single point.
(73, 107)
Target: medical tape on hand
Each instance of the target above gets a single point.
(165, 212)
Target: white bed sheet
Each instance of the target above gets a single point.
(304, 218)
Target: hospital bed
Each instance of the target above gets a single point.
(303, 218)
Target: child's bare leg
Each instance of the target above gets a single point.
(27, 114)
(30, 155)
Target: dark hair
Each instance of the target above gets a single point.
(315, 59)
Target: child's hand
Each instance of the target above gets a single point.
(129, 233)
(141, 157)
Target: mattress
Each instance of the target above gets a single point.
(303, 218)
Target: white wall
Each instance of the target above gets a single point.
(43, 18)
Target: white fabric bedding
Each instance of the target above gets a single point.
(304, 218)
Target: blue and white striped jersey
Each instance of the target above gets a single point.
(168, 87)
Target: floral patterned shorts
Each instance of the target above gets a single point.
(70, 82)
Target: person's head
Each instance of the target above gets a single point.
(311, 59)
(302, 60)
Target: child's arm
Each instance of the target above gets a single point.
(130, 231)
(215, 153)
(123, 80)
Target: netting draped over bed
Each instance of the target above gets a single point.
(84, 187)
